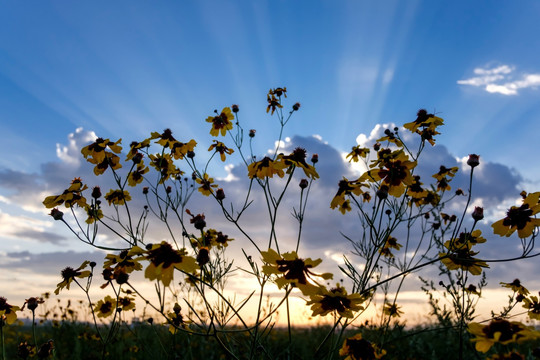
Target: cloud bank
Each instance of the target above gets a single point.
(502, 80)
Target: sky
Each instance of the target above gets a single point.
(72, 71)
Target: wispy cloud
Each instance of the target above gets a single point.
(502, 80)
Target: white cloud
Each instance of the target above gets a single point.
(501, 80)
(70, 154)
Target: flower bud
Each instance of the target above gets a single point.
(478, 213)
(303, 184)
(234, 108)
(474, 160)
(315, 158)
(96, 192)
(220, 194)
(57, 214)
(252, 133)
(296, 106)
(168, 190)
(376, 146)
(190, 154)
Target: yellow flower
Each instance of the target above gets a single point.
(69, 274)
(164, 259)
(395, 173)
(163, 163)
(298, 159)
(7, 311)
(500, 331)
(105, 307)
(96, 150)
(117, 197)
(335, 300)
(356, 348)
(180, 149)
(94, 214)
(357, 153)
(516, 287)
(415, 190)
(346, 187)
(72, 195)
(345, 207)
(424, 120)
(96, 154)
(125, 260)
(390, 243)
(135, 147)
(221, 149)
(292, 270)
(266, 168)
(390, 137)
(463, 259)
(207, 183)
(136, 177)
(392, 310)
(273, 102)
(176, 320)
(166, 139)
(465, 241)
(531, 303)
(221, 123)
(126, 303)
(520, 218)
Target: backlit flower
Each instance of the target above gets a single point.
(71, 196)
(126, 303)
(125, 260)
(180, 149)
(390, 137)
(136, 176)
(293, 270)
(357, 152)
(221, 149)
(520, 218)
(207, 183)
(96, 150)
(463, 259)
(500, 331)
(221, 123)
(346, 188)
(395, 173)
(105, 307)
(356, 348)
(273, 103)
(298, 159)
(7, 311)
(533, 306)
(69, 274)
(266, 168)
(164, 259)
(335, 300)
(424, 120)
(176, 320)
(392, 310)
(163, 163)
(516, 286)
(117, 197)
(465, 241)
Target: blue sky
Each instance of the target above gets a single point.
(126, 68)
